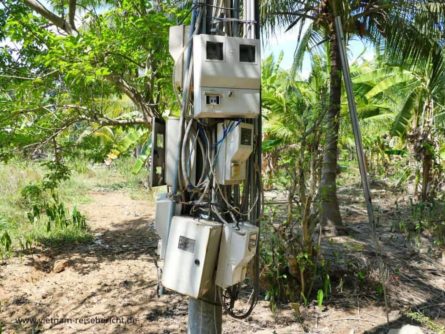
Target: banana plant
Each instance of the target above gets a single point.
(419, 118)
(122, 141)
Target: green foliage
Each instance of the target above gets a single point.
(274, 262)
(327, 288)
(320, 298)
(293, 136)
(426, 322)
(361, 276)
(58, 172)
(32, 214)
(87, 94)
(33, 209)
(61, 91)
(46, 209)
(5, 243)
(428, 218)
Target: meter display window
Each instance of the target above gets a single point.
(214, 51)
(246, 136)
(186, 244)
(247, 53)
(212, 99)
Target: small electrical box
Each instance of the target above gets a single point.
(172, 149)
(235, 145)
(164, 213)
(192, 254)
(171, 153)
(177, 42)
(238, 247)
(227, 76)
(157, 158)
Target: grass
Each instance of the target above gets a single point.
(72, 193)
(426, 322)
(58, 237)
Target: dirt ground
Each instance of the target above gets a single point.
(109, 286)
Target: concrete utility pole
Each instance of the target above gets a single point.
(205, 315)
(210, 160)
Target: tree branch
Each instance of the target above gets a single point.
(27, 78)
(72, 13)
(105, 121)
(58, 21)
(134, 95)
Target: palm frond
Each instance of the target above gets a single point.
(302, 47)
(389, 82)
(400, 125)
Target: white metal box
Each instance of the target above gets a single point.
(172, 149)
(238, 247)
(192, 254)
(227, 76)
(164, 213)
(178, 36)
(235, 145)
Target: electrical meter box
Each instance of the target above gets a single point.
(172, 149)
(157, 158)
(178, 36)
(227, 76)
(235, 145)
(192, 254)
(238, 247)
(172, 140)
(164, 213)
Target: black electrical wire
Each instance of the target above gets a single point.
(233, 292)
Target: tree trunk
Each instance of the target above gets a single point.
(290, 195)
(329, 209)
(427, 151)
(427, 165)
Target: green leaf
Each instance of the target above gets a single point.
(400, 125)
(6, 241)
(140, 162)
(320, 297)
(385, 84)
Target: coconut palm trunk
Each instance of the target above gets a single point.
(405, 28)
(427, 166)
(329, 207)
(427, 151)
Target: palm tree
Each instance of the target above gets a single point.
(293, 134)
(385, 23)
(292, 110)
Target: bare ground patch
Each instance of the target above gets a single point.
(109, 285)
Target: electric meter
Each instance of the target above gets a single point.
(164, 212)
(227, 76)
(238, 247)
(192, 254)
(235, 145)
